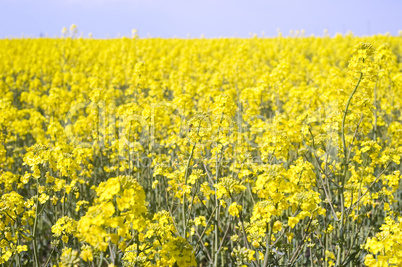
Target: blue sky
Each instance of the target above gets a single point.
(213, 18)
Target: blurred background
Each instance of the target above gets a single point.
(190, 18)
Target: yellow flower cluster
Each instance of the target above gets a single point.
(200, 152)
(386, 247)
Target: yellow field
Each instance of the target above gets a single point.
(198, 152)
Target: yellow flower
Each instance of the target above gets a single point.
(22, 248)
(292, 221)
(235, 209)
(140, 144)
(43, 198)
(86, 254)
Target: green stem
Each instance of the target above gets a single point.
(185, 183)
(375, 111)
(35, 226)
(345, 113)
(205, 229)
(184, 193)
(346, 167)
(268, 245)
(50, 256)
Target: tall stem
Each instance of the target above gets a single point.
(35, 226)
(184, 193)
(375, 111)
(345, 113)
(268, 245)
(185, 183)
(345, 171)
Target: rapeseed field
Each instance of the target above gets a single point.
(201, 152)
